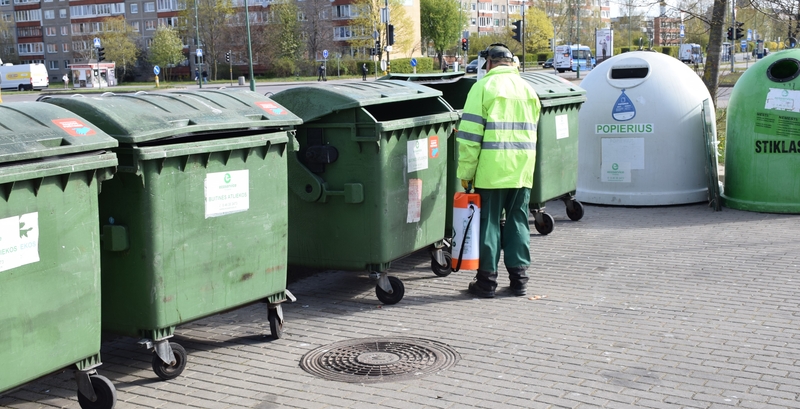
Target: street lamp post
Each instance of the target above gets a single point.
(197, 42)
(249, 46)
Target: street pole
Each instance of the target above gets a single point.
(249, 46)
(388, 65)
(733, 36)
(578, 35)
(522, 34)
(197, 43)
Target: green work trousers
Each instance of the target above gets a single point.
(516, 233)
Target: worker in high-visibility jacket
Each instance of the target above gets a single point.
(497, 152)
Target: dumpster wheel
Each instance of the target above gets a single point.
(166, 371)
(275, 323)
(105, 391)
(575, 210)
(398, 291)
(439, 269)
(546, 225)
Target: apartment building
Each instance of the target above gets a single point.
(496, 16)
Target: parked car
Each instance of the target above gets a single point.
(472, 67)
(548, 63)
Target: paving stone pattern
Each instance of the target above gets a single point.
(665, 307)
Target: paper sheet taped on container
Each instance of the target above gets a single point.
(19, 240)
(417, 155)
(414, 200)
(227, 192)
(783, 100)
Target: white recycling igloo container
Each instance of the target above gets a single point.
(641, 140)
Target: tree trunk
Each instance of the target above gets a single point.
(711, 73)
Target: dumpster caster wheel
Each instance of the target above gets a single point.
(442, 270)
(105, 391)
(547, 225)
(275, 324)
(575, 210)
(398, 291)
(166, 371)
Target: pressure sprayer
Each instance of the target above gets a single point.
(467, 227)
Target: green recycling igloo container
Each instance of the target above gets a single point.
(762, 146)
(369, 182)
(555, 175)
(195, 222)
(51, 165)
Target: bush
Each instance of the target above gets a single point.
(284, 67)
(403, 65)
(671, 51)
(624, 50)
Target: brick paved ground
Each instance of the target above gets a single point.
(664, 307)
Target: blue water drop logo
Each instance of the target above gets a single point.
(623, 108)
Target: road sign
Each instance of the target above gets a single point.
(749, 34)
(682, 35)
(375, 34)
(413, 62)
(383, 65)
(744, 45)
(199, 52)
(156, 70)
(96, 42)
(324, 53)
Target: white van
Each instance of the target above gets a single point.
(691, 53)
(24, 77)
(570, 57)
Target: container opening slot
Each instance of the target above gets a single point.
(406, 109)
(784, 70)
(629, 73)
(205, 136)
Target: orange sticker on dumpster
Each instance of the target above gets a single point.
(433, 146)
(272, 107)
(74, 126)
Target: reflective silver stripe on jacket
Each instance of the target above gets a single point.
(473, 137)
(510, 126)
(531, 146)
(473, 118)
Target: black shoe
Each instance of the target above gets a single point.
(480, 292)
(519, 290)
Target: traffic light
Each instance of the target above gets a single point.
(228, 56)
(517, 30)
(377, 48)
(464, 44)
(101, 54)
(550, 43)
(739, 31)
(391, 34)
(730, 33)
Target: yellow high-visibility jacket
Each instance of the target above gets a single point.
(497, 134)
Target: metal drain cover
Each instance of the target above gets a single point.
(371, 360)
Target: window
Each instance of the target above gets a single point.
(496, 22)
(49, 14)
(64, 30)
(29, 31)
(52, 48)
(340, 33)
(30, 48)
(62, 13)
(6, 17)
(25, 1)
(28, 15)
(53, 65)
(65, 47)
(66, 64)
(5, 2)
(343, 11)
(95, 10)
(135, 26)
(150, 25)
(168, 22)
(149, 7)
(50, 31)
(472, 21)
(134, 8)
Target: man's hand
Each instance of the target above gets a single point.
(466, 184)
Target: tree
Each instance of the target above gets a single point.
(368, 19)
(711, 72)
(166, 50)
(441, 22)
(8, 47)
(537, 30)
(285, 28)
(316, 25)
(214, 18)
(119, 41)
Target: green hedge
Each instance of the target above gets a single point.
(403, 65)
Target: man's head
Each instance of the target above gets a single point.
(497, 55)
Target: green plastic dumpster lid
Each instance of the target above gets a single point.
(312, 102)
(33, 130)
(554, 90)
(142, 117)
(431, 77)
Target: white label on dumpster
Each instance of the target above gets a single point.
(624, 150)
(227, 192)
(417, 155)
(783, 100)
(414, 200)
(562, 127)
(19, 240)
(615, 172)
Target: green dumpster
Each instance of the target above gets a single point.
(369, 182)
(196, 221)
(556, 172)
(762, 146)
(51, 165)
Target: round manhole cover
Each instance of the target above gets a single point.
(367, 360)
